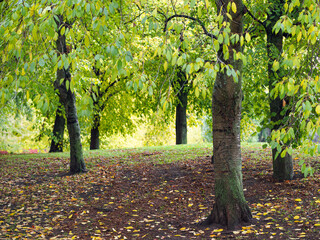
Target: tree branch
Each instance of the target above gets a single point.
(254, 18)
(191, 18)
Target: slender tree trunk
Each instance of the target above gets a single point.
(58, 132)
(95, 134)
(282, 166)
(67, 97)
(230, 208)
(181, 110)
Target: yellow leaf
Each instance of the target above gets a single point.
(86, 41)
(317, 225)
(296, 217)
(275, 65)
(298, 200)
(248, 37)
(165, 66)
(155, 53)
(318, 109)
(241, 40)
(234, 7)
(299, 36)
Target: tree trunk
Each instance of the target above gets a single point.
(282, 166)
(94, 140)
(230, 208)
(58, 132)
(181, 110)
(67, 97)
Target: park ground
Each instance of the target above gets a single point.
(150, 193)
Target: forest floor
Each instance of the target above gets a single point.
(149, 193)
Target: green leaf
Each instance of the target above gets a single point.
(66, 63)
(197, 92)
(276, 65)
(192, 3)
(88, 8)
(67, 85)
(114, 51)
(119, 65)
(41, 62)
(32, 66)
(150, 91)
(220, 38)
(111, 8)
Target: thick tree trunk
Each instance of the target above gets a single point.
(230, 208)
(181, 110)
(67, 97)
(95, 134)
(58, 132)
(282, 166)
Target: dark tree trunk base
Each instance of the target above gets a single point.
(232, 216)
(282, 166)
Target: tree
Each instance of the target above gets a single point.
(277, 114)
(230, 206)
(284, 26)
(103, 74)
(67, 97)
(43, 32)
(282, 165)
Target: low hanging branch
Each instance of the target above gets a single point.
(191, 18)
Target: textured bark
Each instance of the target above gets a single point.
(67, 97)
(230, 208)
(282, 166)
(58, 132)
(94, 140)
(181, 110)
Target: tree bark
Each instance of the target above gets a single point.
(95, 134)
(230, 207)
(58, 132)
(282, 166)
(181, 110)
(67, 97)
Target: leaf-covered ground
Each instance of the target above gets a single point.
(150, 193)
